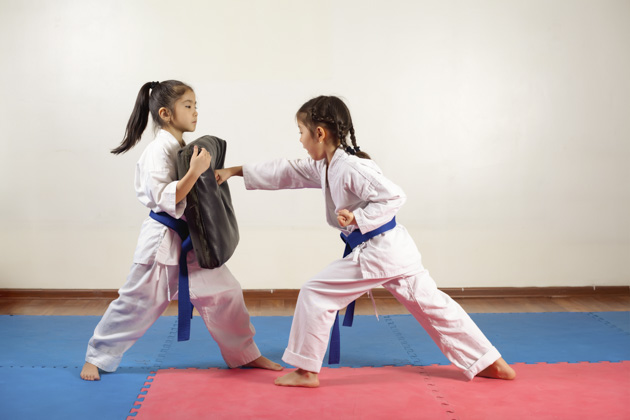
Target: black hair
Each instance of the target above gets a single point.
(152, 97)
(332, 113)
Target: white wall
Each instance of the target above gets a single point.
(506, 122)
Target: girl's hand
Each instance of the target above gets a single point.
(345, 218)
(199, 161)
(222, 175)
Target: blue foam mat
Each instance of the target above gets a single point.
(538, 337)
(201, 351)
(59, 393)
(61, 341)
(367, 343)
(372, 342)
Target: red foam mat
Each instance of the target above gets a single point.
(541, 391)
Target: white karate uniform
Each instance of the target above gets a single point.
(153, 279)
(390, 259)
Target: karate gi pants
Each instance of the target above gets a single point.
(450, 327)
(215, 293)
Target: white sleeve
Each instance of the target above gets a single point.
(162, 192)
(156, 183)
(383, 197)
(280, 174)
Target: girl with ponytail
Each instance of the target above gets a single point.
(153, 279)
(362, 203)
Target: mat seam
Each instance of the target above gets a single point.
(607, 323)
(433, 388)
(137, 404)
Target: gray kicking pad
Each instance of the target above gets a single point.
(209, 211)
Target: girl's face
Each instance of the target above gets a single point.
(184, 117)
(314, 146)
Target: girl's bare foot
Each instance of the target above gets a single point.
(264, 363)
(90, 372)
(299, 377)
(498, 370)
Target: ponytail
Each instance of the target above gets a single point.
(152, 97)
(137, 122)
(332, 113)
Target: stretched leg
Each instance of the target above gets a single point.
(218, 297)
(320, 298)
(450, 327)
(141, 301)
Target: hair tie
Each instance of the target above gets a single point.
(357, 149)
(154, 84)
(350, 150)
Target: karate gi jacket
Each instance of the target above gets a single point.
(155, 184)
(357, 185)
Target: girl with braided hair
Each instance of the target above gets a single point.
(362, 203)
(153, 279)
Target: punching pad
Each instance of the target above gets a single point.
(209, 211)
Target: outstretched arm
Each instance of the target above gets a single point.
(283, 174)
(223, 175)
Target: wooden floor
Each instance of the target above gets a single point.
(285, 307)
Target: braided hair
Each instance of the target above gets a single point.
(332, 113)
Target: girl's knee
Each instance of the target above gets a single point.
(311, 288)
(308, 296)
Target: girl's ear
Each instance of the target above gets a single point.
(165, 115)
(320, 134)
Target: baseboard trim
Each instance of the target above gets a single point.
(459, 293)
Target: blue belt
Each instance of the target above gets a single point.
(185, 308)
(352, 241)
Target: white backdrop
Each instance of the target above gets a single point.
(507, 124)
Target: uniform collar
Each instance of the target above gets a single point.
(339, 154)
(167, 137)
